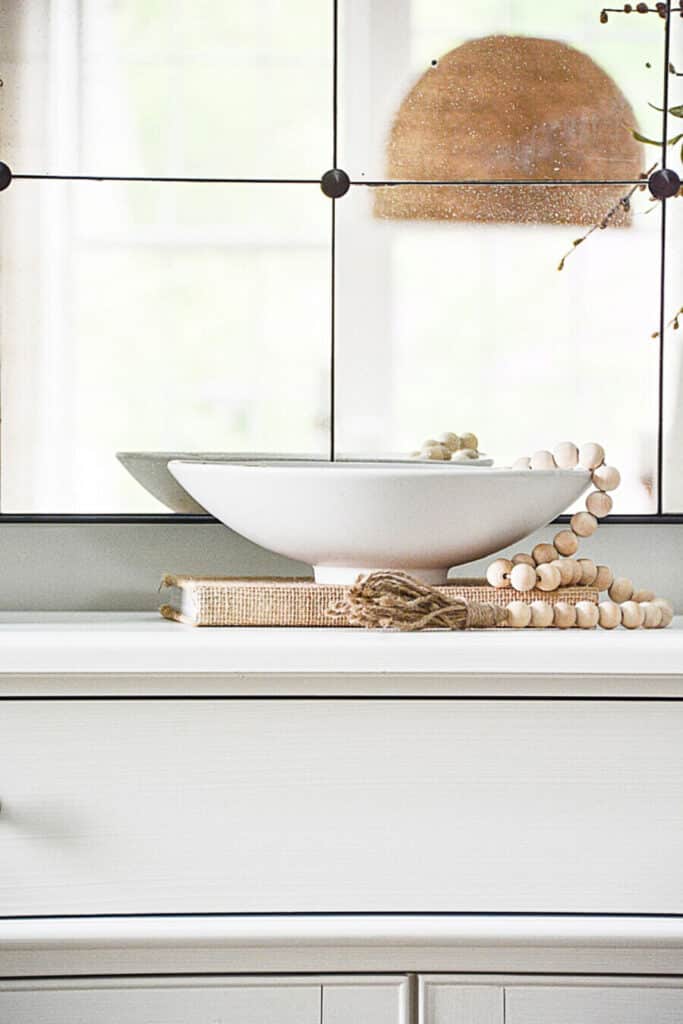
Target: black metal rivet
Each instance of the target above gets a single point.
(664, 183)
(335, 183)
(5, 176)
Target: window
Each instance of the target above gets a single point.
(170, 264)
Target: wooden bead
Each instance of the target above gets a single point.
(565, 567)
(470, 441)
(643, 595)
(653, 615)
(544, 553)
(583, 524)
(523, 559)
(564, 615)
(667, 611)
(591, 455)
(566, 455)
(599, 504)
(565, 542)
(632, 615)
(578, 572)
(541, 614)
(519, 614)
(523, 577)
(606, 478)
(450, 441)
(621, 590)
(609, 614)
(587, 615)
(543, 460)
(498, 573)
(589, 572)
(604, 579)
(548, 577)
(523, 463)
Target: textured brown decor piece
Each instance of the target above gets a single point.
(508, 108)
(238, 601)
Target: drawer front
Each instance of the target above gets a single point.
(131, 806)
(160, 1002)
(444, 1001)
(206, 1001)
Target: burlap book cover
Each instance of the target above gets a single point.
(264, 601)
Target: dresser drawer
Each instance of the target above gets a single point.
(151, 806)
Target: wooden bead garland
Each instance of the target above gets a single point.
(551, 566)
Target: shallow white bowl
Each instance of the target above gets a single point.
(350, 518)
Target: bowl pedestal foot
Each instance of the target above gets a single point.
(347, 574)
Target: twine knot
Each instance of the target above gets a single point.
(395, 600)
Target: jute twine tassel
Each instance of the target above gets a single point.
(394, 600)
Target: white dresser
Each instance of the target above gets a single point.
(231, 826)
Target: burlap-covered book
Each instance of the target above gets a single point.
(266, 601)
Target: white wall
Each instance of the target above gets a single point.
(82, 567)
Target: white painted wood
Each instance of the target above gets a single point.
(161, 1001)
(170, 806)
(607, 1004)
(443, 1002)
(371, 1000)
(399, 943)
(88, 644)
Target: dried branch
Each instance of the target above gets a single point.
(622, 204)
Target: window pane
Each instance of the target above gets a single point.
(156, 317)
(503, 107)
(180, 88)
(470, 327)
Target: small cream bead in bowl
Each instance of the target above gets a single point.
(610, 614)
(523, 463)
(523, 577)
(469, 441)
(587, 615)
(450, 441)
(566, 455)
(543, 460)
(435, 452)
(519, 614)
(464, 455)
(547, 577)
(599, 504)
(498, 573)
(632, 615)
(591, 455)
(583, 524)
(541, 614)
(566, 543)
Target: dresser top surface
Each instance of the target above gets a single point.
(60, 646)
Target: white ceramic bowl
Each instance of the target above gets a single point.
(350, 518)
